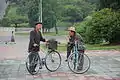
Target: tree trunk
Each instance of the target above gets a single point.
(48, 30)
(16, 25)
(56, 28)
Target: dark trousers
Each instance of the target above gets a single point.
(81, 59)
(69, 48)
(33, 57)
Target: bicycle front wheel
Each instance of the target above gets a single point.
(53, 61)
(80, 66)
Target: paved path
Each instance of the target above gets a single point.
(105, 65)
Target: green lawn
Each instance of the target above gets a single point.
(54, 34)
(101, 47)
(46, 34)
(22, 34)
(63, 47)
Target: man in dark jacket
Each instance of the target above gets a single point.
(34, 43)
(35, 38)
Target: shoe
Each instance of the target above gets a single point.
(79, 68)
(66, 60)
(33, 71)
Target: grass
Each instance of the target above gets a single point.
(45, 34)
(101, 47)
(21, 25)
(22, 34)
(62, 47)
(54, 34)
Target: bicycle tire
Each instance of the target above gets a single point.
(84, 68)
(52, 61)
(30, 64)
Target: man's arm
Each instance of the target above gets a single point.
(32, 37)
(41, 38)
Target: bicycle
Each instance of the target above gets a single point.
(78, 62)
(52, 60)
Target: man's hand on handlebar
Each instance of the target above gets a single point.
(35, 45)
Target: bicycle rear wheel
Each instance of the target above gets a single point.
(33, 64)
(53, 61)
(80, 66)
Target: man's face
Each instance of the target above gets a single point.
(71, 33)
(38, 26)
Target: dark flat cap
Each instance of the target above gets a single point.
(38, 23)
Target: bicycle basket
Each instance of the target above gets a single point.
(52, 44)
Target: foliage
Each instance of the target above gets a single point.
(5, 22)
(114, 4)
(82, 27)
(104, 26)
(56, 10)
(77, 10)
(12, 16)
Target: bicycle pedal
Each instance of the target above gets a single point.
(40, 67)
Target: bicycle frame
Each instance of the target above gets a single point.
(76, 54)
(78, 62)
(32, 62)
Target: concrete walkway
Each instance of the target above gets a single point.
(105, 65)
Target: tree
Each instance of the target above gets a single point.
(29, 8)
(77, 10)
(51, 13)
(18, 20)
(114, 4)
(33, 12)
(105, 25)
(5, 22)
(55, 11)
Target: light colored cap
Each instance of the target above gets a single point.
(71, 29)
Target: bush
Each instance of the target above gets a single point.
(82, 27)
(105, 25)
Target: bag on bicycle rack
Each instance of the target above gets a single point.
(52, 44)
(81, 47)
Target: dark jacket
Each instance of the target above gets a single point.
(35, 38)
(77, 36)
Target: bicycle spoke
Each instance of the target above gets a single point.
(80, 66)
(33, 64)
(53, 61)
